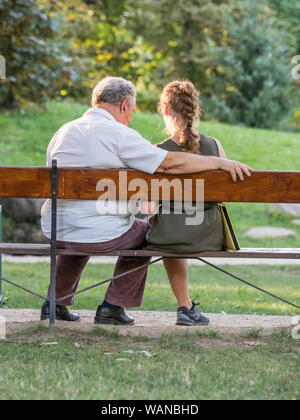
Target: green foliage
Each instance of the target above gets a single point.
(252, 82)
(237, 52)
(107, 44)
(8, 227)
(34, 65)
(289, 10)
(179, 31)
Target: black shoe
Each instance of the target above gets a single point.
(190, 317)
(62, 313)
(109, 316)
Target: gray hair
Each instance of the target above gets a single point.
(112, 90)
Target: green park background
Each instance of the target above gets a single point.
(239, 54)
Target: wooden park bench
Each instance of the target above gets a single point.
(81, 183)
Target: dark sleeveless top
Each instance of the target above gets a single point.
(170, 232)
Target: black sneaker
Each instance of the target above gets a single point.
(190, 317)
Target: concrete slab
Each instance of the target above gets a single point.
(268, 232)
(154, 323)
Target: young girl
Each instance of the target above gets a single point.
(179, 105)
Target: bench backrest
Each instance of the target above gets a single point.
(81, 183)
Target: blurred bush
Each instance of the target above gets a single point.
(147, 101)
(35, 66)
(237, 52)
(295, 121)
(252, 69)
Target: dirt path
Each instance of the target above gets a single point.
(153, 323)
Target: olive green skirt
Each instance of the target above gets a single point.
(168, 232)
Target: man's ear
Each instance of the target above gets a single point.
(124, 105)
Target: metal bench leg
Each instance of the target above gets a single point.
(53, 243)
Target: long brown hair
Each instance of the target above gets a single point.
(182, 100)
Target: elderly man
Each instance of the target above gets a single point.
(101, 138)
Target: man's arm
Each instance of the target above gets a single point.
(188, 163)
(222, 153)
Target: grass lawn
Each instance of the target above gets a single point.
(43, 363)
(216, 291)
(25, 137)
(100, 365)
(26, 134)
(61, 364)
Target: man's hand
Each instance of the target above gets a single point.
(235, 168)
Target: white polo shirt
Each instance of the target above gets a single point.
(96, 140)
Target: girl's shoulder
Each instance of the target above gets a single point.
(208, 145)
(169, 145)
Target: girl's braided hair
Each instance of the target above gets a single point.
(182, 100)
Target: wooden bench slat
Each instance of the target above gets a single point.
(44, 249)
(24, 249)
(81, 183)
(25, 182)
